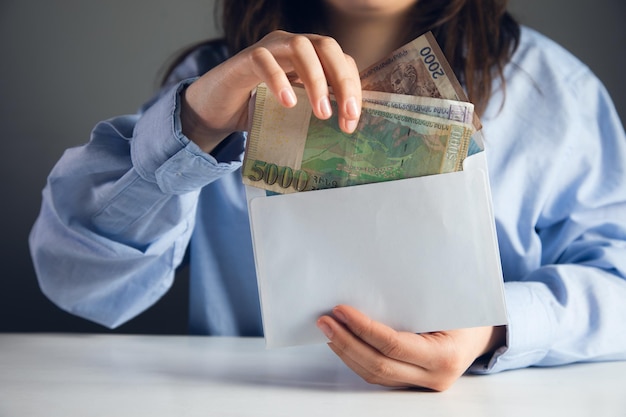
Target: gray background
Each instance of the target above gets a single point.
(66, 64)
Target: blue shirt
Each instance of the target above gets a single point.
(119, 213)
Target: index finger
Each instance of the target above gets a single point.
(403, 346)
(343, 76)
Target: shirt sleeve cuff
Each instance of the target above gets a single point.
(162, 154)
(529, 331)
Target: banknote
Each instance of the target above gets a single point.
(290, 150)
(460, 111)
(418, 68)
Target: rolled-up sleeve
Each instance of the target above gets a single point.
(117, 213)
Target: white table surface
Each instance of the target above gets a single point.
(119, 375)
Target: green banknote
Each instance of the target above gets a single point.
(290, 150)
(461, 111)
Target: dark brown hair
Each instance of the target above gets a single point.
(478, 37)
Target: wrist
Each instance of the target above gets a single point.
(496, 340)
(194, 127)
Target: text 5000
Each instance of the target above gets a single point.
(284, 177)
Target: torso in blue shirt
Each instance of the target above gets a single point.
(113, 226)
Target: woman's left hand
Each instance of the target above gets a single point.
(381, 355)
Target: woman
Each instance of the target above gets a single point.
(119, 213)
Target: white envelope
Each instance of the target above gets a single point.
(418, 254)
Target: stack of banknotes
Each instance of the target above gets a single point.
(416, 120)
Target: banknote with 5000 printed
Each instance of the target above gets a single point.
(290, 150)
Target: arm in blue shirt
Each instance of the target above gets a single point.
(557, 159)
(118, 212)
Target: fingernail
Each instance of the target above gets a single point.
(325, 107)
(339, 315)
(325, 328)
(351, 125)
(351, 108)
(288, 97)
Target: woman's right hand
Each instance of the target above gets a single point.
(216, 104)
